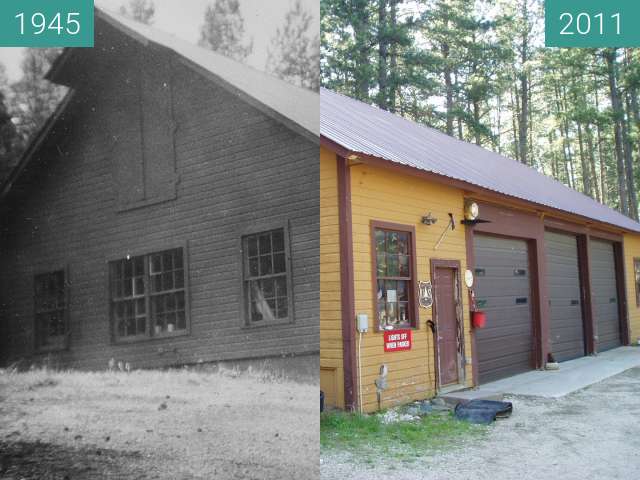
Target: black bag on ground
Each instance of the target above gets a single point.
(482, 411)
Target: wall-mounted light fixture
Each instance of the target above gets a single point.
(429, 219)
(471, 210)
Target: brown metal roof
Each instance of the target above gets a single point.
(363, 129)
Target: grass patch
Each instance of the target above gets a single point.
(369, 437)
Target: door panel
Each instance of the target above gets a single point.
(447, 325)
(605, 294)
(503, 292)
(563, 280)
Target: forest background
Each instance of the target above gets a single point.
(478, 70)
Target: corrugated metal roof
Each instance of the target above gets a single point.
(300, 105)
(368, 130)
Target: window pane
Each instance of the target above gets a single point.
(253, 267)
(179, 279)
(128, 269)
(281, 286)
(181, 321)
(403, 312)
(278, 240)
(392, 242)
(381, 264)
(180, 301)
(141, 307)
(265, 243)
(380, 241)
(403, 265)
(128, 287)
(142, 324)
(252, 246)
(268, 288)
(156, 263)
(167, 281)
(393, 266)
(402, 291)
(156, 283)
(283, 308)
(139, 286)
(403, 243)
(279, 264)
(139, 266)
(265, 265)
(167, 261)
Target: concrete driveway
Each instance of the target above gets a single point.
(591, 433)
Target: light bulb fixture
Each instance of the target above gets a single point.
(471, 210)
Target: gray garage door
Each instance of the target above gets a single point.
(605, 295)
(503, 291)
(563, 280)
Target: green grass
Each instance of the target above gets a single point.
(368, 436)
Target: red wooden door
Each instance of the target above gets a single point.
(447, 325)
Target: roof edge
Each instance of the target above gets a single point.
(338, 149)
(35, 144)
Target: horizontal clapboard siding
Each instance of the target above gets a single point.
(237, 169)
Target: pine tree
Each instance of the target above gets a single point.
(294, 53)
(33, 98)
(223, 30)
(139, 10)
(8, 131)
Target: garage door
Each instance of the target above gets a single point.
(563, 280)
(503, 291)
(605, 294)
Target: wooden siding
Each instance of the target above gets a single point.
(383, 195)
(631, 251)
(238, 171)
(331, 371)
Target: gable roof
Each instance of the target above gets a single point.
(296, 107)
(299, 107)
(370, 131)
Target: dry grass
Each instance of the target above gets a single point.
(178, 424)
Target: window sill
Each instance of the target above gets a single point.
(409, 327)
(272, 323)
(148, 338)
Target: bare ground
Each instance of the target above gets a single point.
(593, 433)
(156, 425)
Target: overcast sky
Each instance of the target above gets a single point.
(183, 18)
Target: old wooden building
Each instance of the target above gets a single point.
(167, 213)
(420, 230)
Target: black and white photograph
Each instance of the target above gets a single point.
(159, 246)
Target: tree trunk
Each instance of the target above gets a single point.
(610, 58)
(592, 162)
(393, 23)
(628, 162)
(524, 90)
(601, 157)
(383, 53)
(448, 83)
(586, 184)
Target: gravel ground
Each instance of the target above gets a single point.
(156, 425)
(593, 433)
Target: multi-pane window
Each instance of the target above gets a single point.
(266, 286)
(394, 295)
(636, 271)
(148, 294)
(50, 309)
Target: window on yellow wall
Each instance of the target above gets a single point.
(636, 271)
(394, 271)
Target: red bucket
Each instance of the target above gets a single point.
(479, 319)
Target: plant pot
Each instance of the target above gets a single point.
(170, 327)
(479, 319)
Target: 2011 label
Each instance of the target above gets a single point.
(582, 24)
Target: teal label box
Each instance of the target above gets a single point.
(46, 23)
(592, 23)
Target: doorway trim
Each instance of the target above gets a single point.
(455, 266)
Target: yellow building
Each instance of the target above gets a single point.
(425, 237)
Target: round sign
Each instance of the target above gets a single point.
(468, 278)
